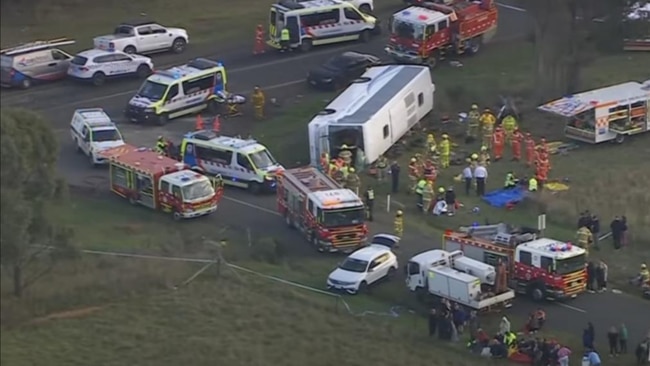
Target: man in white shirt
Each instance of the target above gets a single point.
(480, 174)
(468, 175)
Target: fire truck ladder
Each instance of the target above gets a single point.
(497, 234)
(311, 179)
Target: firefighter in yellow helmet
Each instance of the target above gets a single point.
(399, 223)
(473, 122)
(414, 174)
(431, 144)
(445, 151)
(484, 156)
(642, 278)
(584, 238)
(428, 194)
(509, 124)
(345, 154)
(487, 121)
(258, 100)
(161, 145)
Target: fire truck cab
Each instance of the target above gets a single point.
(147, 178)
(428, 32)
(541, 268)
(330, 217)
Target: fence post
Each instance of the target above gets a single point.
(388, 203)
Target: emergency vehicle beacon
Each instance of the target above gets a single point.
(538, 267)
(330, 217)
(606, 114)
(319, 22)
(147, 178)
(428, 32)
(179, 91)
(241, 163)
(92, 132)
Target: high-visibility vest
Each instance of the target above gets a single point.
(370, 195)
(284, 35)
(532, 184)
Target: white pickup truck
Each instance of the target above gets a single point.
(143, 37)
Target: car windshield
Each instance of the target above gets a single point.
(197, 190)
(408, 30)
(152, 91)
(262, 159)
(354, 265)
(106, 135)
(351, 216)
(79, 60)
(570, 265)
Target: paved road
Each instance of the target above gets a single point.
(284, 76)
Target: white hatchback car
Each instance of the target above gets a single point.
(366, 266)
(98, 65)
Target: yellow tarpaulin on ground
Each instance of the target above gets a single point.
(556, 186)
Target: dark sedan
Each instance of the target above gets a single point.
(340, 70)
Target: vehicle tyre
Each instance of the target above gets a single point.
(91, 160)
(143, 71)
(130, 50)
(432, 61)
(77, 147)
(536, 293)
(306, 45)
(99, 79)
(365, 8)
(360, 80)
(364, 36)
(132, 200)
(619, 139)
(326, 112)
(179, 45)
(363, 288)
(255, 188)
(474, 45)
(316, 244)
(391, 273)
(26, 83)
(177, 216)
(162, 119)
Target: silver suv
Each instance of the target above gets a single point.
(35, 62)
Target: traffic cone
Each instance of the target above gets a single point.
(199, 123)
(259, 40)
(216, 124)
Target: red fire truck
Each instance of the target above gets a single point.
(331, 218)
(428, 32)
(541, 268)
(147, 178)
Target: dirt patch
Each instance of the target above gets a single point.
(69, 314)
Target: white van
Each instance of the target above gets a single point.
(93, 131)
(373, 113)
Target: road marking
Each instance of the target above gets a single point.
(506, 6)
(255, 207)
(572, 308)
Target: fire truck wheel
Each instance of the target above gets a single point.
(474, 45)
(132, 200)
(255, 188)
(176, 216)
(432, 61)
(536, 293)
(365, 36)
(619, 138)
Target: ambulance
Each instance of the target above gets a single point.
(241, 163)
(605, 114)
(181, 90)
(318, 22)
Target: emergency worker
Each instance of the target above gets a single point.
(487, 122)
(325, 162)
(509, 124)
(584, 238)
(419, 191)
(498, 141)
(338, 176)
(258, 102)
(643, 277)
(285, 39)
(369, 197)
(431, 144)
(473, 122)
(543, 146)
(428, 194)
(532, 184)
(399, 223)
(352, 181)
(333, 168)
(429, 171)
(510, 181)
(484, 156)
(542, 166)
(473, 159)
(161, 145)
(382, 165)
(517, 140)
(530, 150)
(414, 173)
(345, 170)
(345, 154)
(445, 151)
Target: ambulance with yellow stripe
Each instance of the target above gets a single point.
(241, 163)
(318, 22)
(167, 94)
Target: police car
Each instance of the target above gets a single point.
(241, 163)
(99, 65)
(93, 131)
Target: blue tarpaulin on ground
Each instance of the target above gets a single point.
(501, 197)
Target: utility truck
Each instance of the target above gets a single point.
(147, 178)
(143, 37)
(373, 113)
(453, 276)
(541, 268)
(428, 32)
(330, 217)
